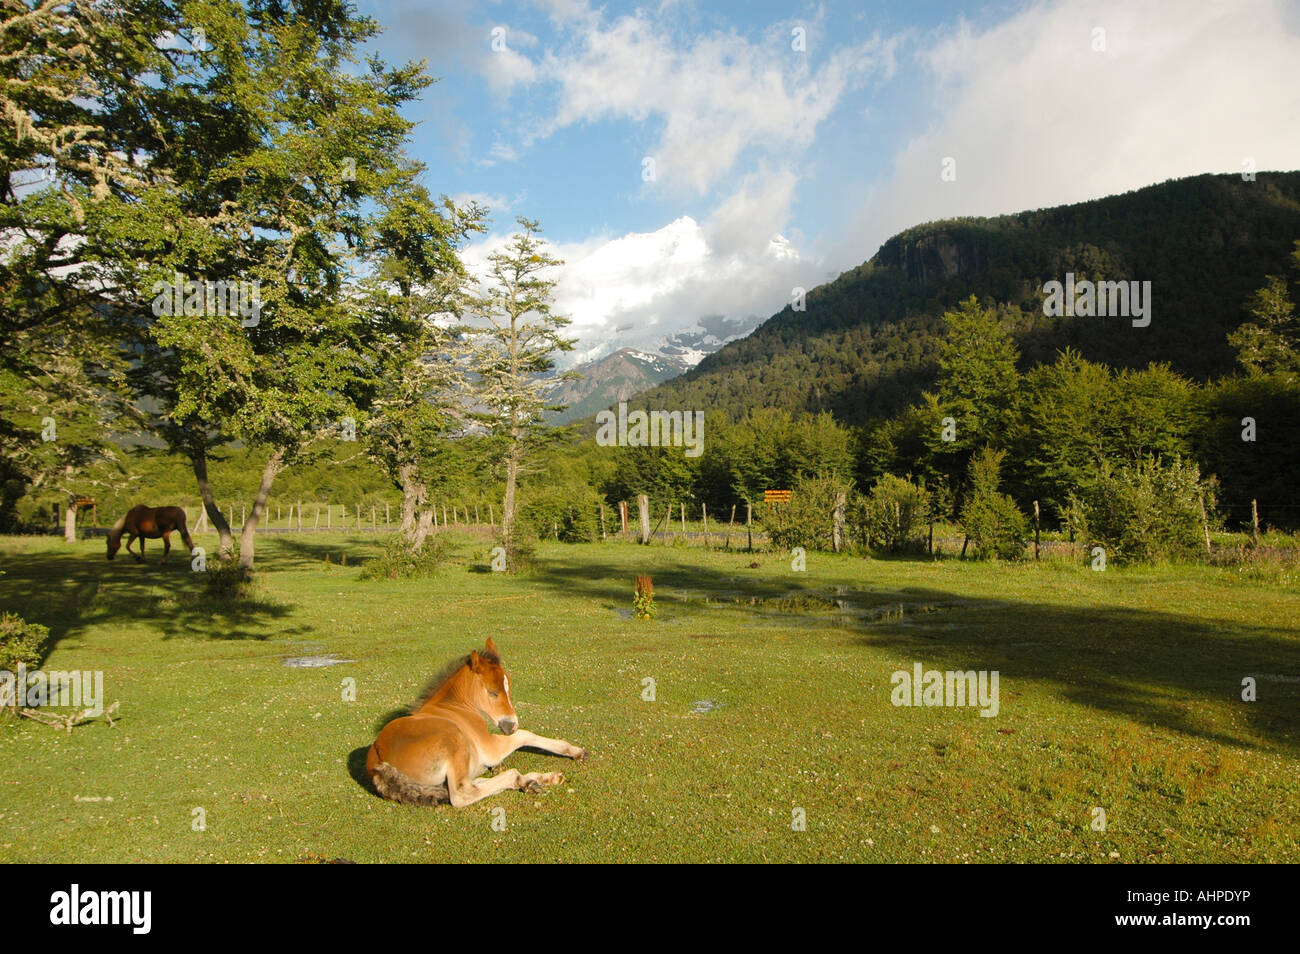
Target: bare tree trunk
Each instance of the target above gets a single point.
(250, 523)
(415, 496)
(508, 505)
(226, 546)
(70, 520)
(422, 528)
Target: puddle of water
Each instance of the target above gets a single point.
(705, 706)
(314, 662)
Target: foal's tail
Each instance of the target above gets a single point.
(392, 784)
(185, 533)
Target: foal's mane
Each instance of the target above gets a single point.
(444, 675)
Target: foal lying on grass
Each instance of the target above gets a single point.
(437, 752)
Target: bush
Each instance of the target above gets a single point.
(992, 521)
(20, 642)
(400, 561)
(229, 581)
(1146, 512)
(893, 516)
(569, 511)
(808, 520)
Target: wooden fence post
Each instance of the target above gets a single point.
(1254, 518)
(1035, 529)
(704, 510)
(749, 523)
(726, 544)
(837, 529)
(1205, 523)
(601, 504)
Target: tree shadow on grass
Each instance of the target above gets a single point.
(72, 593)
(1159, 667)
(298, 553)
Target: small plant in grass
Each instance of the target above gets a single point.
(643, 602)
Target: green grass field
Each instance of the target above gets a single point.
(1119, 690)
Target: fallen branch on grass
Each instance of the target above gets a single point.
(66, 722)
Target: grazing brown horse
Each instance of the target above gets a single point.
(436, 753)
(151, 522)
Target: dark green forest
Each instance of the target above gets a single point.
(867, 344)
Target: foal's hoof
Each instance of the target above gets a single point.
(530, 784)
(579, 755)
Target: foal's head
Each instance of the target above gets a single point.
(492, 688)
(114, 544)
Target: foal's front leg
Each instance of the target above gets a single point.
(522, 737)
(139, 557)
(167, 548)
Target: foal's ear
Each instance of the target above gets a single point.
(492, 647)
(474, 661)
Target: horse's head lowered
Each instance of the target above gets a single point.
(114, 544)
(491, 692)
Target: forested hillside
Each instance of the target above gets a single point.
(866, 345)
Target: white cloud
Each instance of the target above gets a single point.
(494, 202)
(716, 96)
(634, 290)
(1035, 117)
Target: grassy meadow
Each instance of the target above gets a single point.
(1119, 690)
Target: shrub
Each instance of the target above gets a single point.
(1145, 512)
(893, 516)
(400, 561)
(992, 521)
(228, 581)
(568, 511)
(521, 555)
(20, 642)
(808, 519)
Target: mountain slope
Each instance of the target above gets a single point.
(615, 377)
(865, 346)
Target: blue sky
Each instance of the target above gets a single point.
(776, 167)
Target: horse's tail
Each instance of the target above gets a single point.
(181, 526)
(391, 783)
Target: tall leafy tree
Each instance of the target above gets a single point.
(274, 181)
(976, 389)
(1271, 342)
(417, 295)
(69, 77)
(518, 339)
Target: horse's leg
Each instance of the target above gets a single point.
(131, 538)
(167, 547)
(503, 745)
(463, 790)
